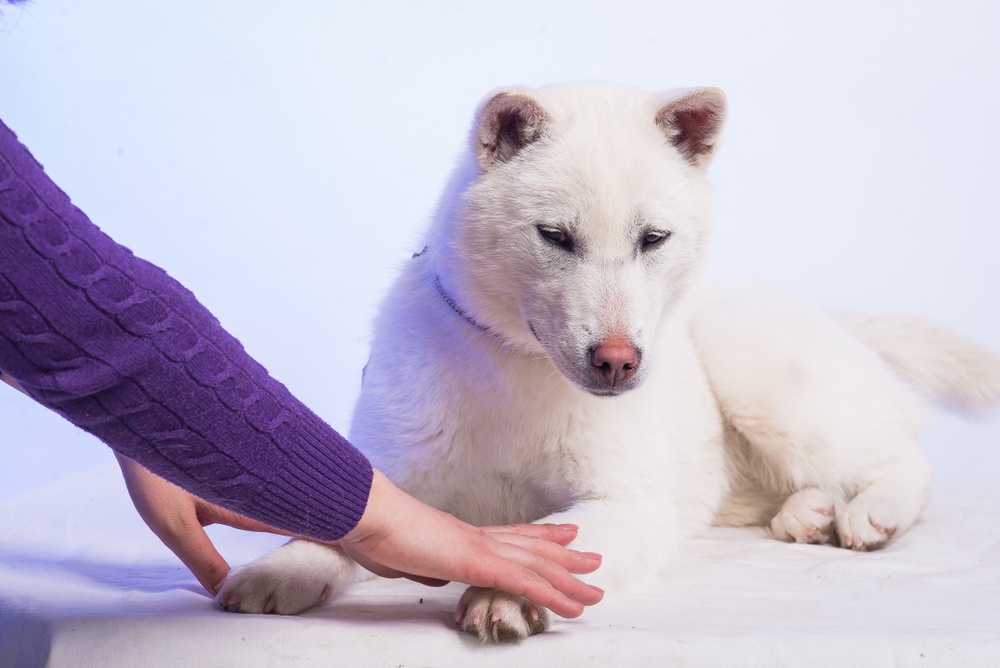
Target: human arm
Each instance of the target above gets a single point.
(397, 537)
(125, 352)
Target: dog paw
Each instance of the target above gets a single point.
(260, 588)
(808, 516)
(864, 527)
(293, 578)
(496, 616)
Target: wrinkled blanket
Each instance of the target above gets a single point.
(83, 582)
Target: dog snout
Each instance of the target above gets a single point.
(615, 360)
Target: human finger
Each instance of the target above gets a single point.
(429, 582)
(544, 586)
(554, 574)
(563, 534)
(430, 543)
(572, 560)
(209, 513)
(517, 570)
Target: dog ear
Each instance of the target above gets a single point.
(692, 122)
(509, 121)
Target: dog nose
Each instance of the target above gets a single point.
(614, 360)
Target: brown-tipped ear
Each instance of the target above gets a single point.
(692, 123)
(509, 121)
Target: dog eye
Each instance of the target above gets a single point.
(556, 236)
(654, 238)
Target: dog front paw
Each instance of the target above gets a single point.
(808, 516)
(496, 616)
(261, 588)
(291, 579)
(865, 526)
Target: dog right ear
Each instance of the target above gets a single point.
(509, 121)
(692, 122)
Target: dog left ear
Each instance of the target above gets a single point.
(509, 121)
(692, 123)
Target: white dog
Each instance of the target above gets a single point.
(546, 358)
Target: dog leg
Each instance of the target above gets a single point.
(293, 578)
(815, 408)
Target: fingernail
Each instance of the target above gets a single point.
(476, 618)
(569, 527)
(460, 613)
(271, 605)
(592, 555)
(235, 600)
(497, 616)
(534, 614)
(597, 589)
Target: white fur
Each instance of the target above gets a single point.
(748, 406)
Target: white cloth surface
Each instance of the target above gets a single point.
(83, 582)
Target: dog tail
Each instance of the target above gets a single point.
(945, 366)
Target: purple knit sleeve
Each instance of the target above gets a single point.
(122, 350)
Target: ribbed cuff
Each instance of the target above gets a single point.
(322, 489)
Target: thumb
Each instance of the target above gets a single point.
(209, 513)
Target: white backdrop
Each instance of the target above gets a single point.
(280, 158)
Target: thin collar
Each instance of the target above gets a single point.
(454, 306)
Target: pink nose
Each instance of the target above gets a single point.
(614, 360)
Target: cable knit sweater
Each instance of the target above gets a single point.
(122, 350)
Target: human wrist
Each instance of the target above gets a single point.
(372, 520)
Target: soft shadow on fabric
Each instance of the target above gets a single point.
(123, 576)
(25, 638)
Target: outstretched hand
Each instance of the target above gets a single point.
(397, 536)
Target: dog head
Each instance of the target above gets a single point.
(587, 219)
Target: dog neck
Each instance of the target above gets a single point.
(454, 305)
